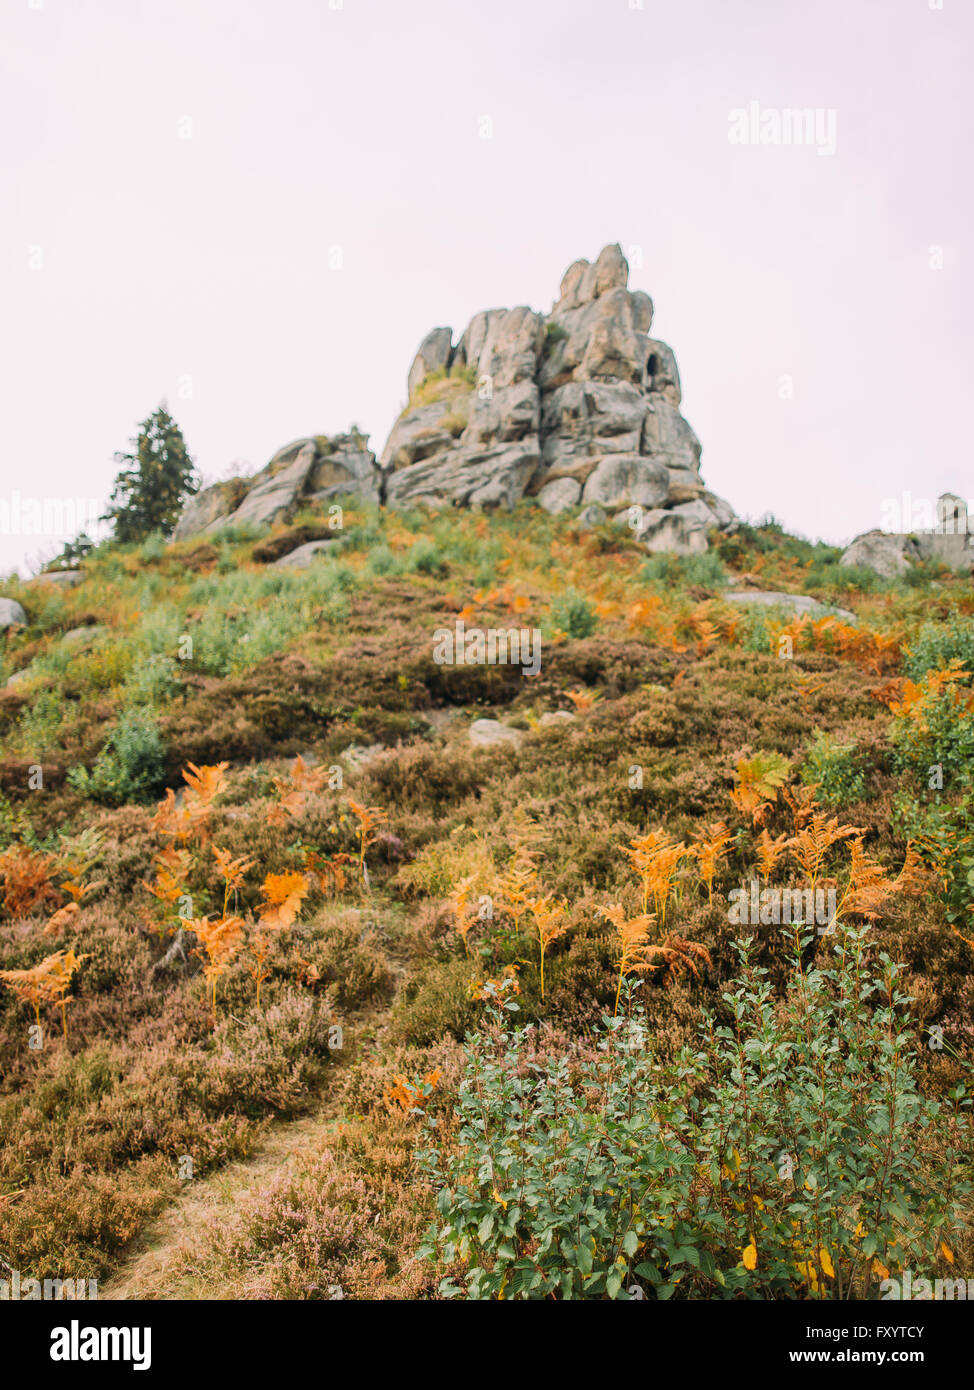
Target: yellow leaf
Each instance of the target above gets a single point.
(880, 1269)
(948, 1254)
(750, 1256)
(826, 1261)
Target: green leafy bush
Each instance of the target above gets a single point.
(937, 747)
(834, 768)
(573, 614)
(130, 767)
(939, 643)
(781, 1157)
(425, 558)
(707, 570)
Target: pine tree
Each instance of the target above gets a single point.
(157, 478)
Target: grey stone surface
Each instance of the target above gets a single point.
(486, 478)
(887, 554)
(62, 579)
(488, 733)
(346, 467)
(276, 489)
(586, 393)
(433, 354)
(12, 613)
(559, 495)
(306, 470)
(890, 553)
(577, 405)
(793, 603)
(592, 515)
(666, 531)
(209, 509)
(621, 479)
(301, 557)
(80, 636)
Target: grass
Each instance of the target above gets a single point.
(668, 689)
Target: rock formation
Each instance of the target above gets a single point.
(307, 470)
(890, 553)
(577, 407)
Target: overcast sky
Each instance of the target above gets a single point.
(176, 176)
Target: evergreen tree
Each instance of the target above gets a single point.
(157, 478)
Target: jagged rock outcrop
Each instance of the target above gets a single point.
(577, 406)
(890, 553)
(308, 470)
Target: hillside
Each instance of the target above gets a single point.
(294, 860)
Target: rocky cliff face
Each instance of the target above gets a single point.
(580, 405)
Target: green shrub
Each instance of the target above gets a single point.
(833, 767)
(574, 615)
(130, 767)
(41, 722)
(946, 833)
(554, 334)
(425, 558)
(779, 1158)
(383, 561)
(153, 548)
(939, 643)
(708, 570)
(939, 745)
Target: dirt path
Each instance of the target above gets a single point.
(175, 1258)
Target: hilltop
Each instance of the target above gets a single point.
(577, 407)
(489, 868)
(658, 705)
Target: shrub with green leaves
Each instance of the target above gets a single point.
(834, 768)
(938, 745)
(679, 571)
(946, 833)
(130, 767)
(939, 643)
(789, 1154)
(574, 615)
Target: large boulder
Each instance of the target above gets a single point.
(61, 579)
(277, 487)
(485, 478)
(660, 530)
(559, 495)
(343, 466)
(312, 469)
(491, 733)
(12, 613)
(618, 479)
(797, 604)
(209, 509)
(888, 554)
(302, 555)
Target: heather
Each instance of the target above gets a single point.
(256, 879)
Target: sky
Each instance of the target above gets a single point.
(255, 210)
